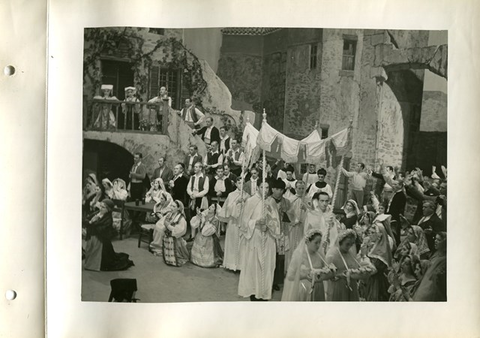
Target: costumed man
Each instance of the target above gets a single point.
(192, 116)
(106, 117)
(209, 133)
(234, 157)
(178, 184)
(130, 110)
(213, 159)
(260, 226)
(224, 140)
(136, 186)
(197, 188)
(192, 158)
(159, 109)
(284, 209)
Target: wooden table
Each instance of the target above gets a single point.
(147, 207)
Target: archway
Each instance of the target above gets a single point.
(106, 160)
(407, 87)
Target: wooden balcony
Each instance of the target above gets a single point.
(138, 117)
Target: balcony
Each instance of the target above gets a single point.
(119, 116)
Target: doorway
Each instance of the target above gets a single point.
(119, 74)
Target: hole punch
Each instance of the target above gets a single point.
(10, 295)
(9, 70)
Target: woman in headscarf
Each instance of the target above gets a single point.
(88, 193)
(97, 198)
(174, 246)
(99, 253)
(433, 286)
(119, 191)
(413, 242)
(206, 249)
(307, 271)
(406, 282)
(107, 188)
(153, 195)
(160, 212)
(377, 249)
(385, 219)
(343, 287)
(351, 214)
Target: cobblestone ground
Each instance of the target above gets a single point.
(158, 282)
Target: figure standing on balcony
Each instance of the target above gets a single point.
(106, 118)
(158, 110)
(191, 115)
(130, 109)
(162, 97)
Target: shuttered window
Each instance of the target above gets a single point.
(162, 77)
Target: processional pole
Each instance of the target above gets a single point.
(340, 166)
(264, 168)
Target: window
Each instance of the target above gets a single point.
(313, 56)
(324, 129)
(349, 49)
(119, 74)
(169, 78)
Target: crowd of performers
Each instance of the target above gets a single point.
(281, 230)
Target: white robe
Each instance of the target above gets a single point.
(258, 262)
(296, 232)
(230, 214)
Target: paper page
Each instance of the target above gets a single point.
(69, 316)
(22, 125)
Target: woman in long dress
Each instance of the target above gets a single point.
(206, 249)
(343, 287)
(99, 253)
(106, 118)
(174, 246)
(380, 256)
(160, 212)
(307, 271)
(230, 214)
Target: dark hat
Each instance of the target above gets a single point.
(109, 204)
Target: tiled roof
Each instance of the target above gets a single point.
(248, 30)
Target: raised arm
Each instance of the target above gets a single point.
(347, 173)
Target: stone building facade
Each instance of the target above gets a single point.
(328, 77)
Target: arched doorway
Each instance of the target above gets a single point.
(106, 160)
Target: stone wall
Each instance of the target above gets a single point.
(240, 68)
(303, 94)
(340, 90)
(243, 76)
(273, 88)
(434, 111)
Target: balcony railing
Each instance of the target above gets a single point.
(110, 115)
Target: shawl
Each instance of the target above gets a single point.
(381, 247)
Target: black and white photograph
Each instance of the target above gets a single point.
(239, 164)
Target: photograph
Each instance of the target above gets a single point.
(239, 164)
